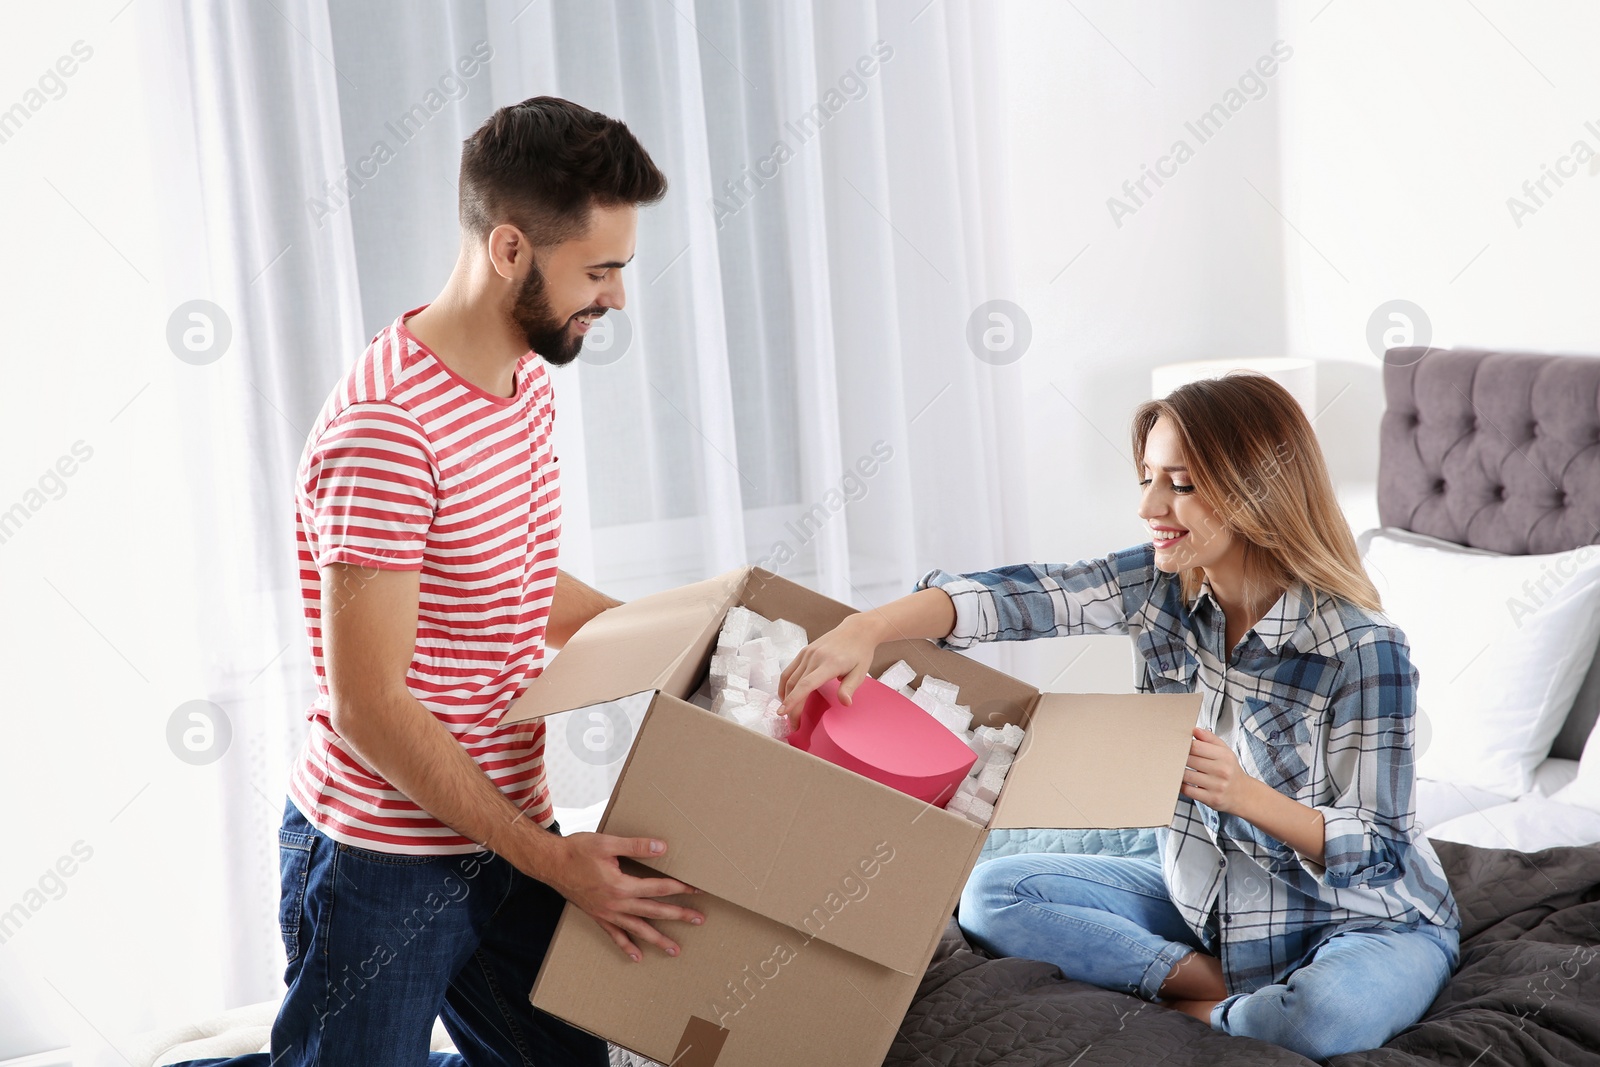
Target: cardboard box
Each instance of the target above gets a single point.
(825, 893)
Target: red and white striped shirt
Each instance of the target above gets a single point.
(412, 467)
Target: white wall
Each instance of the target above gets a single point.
(1388, 146)
(1195, 272)
(1404, 131)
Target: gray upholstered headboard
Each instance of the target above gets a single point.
(1498, 451)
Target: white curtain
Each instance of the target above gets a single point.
(798, 390)
(246, 115)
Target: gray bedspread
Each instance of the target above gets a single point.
(1527, 991)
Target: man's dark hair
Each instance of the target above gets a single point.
(541, 164)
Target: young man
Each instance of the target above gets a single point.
(422, 869)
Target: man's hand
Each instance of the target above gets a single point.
(589, 875)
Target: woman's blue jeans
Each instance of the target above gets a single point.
(379, 945)
(1109, 921)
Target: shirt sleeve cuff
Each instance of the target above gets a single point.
(1352, 854)
(358, 557)
(965, 595)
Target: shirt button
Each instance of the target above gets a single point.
(1222, 863)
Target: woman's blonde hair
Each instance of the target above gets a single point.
(1253, 457)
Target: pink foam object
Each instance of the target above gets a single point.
(884, 736)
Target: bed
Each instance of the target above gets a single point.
(1489, 451)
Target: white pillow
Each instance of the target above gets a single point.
(1584, 790)
(1552, 777)
(1501, 644)
(1438, 802)
(1530, 824)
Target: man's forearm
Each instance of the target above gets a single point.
(572, 605)
(401, 740)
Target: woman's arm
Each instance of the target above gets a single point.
(1358, 838)
(1372, 763)
(927, 613)
(846, 651)
(1214, 778)
(1015, 603)
(1033, 600)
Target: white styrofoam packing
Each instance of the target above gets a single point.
(899, 676)
(747, 670)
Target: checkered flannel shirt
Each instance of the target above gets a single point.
(1324, 702)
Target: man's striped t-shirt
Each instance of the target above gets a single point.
(412, 467)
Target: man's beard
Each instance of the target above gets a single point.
(552, 338)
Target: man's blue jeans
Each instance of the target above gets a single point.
(1109, 921)
(379, 945)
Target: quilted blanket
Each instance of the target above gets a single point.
(1527, 991)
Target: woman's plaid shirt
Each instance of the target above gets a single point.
(1324, 698)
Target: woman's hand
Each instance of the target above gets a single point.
(1215, 778)
(1213, 775)
(844, 652)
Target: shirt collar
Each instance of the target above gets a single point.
(1288, 614)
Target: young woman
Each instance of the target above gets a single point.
(1296, 900)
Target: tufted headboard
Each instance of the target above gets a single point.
(1492, 450)
(1497, 451)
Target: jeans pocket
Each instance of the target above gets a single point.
(294, 869)
(389, 859)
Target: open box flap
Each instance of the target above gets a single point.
(815, 847)
(1097, 761)
(655, 642)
